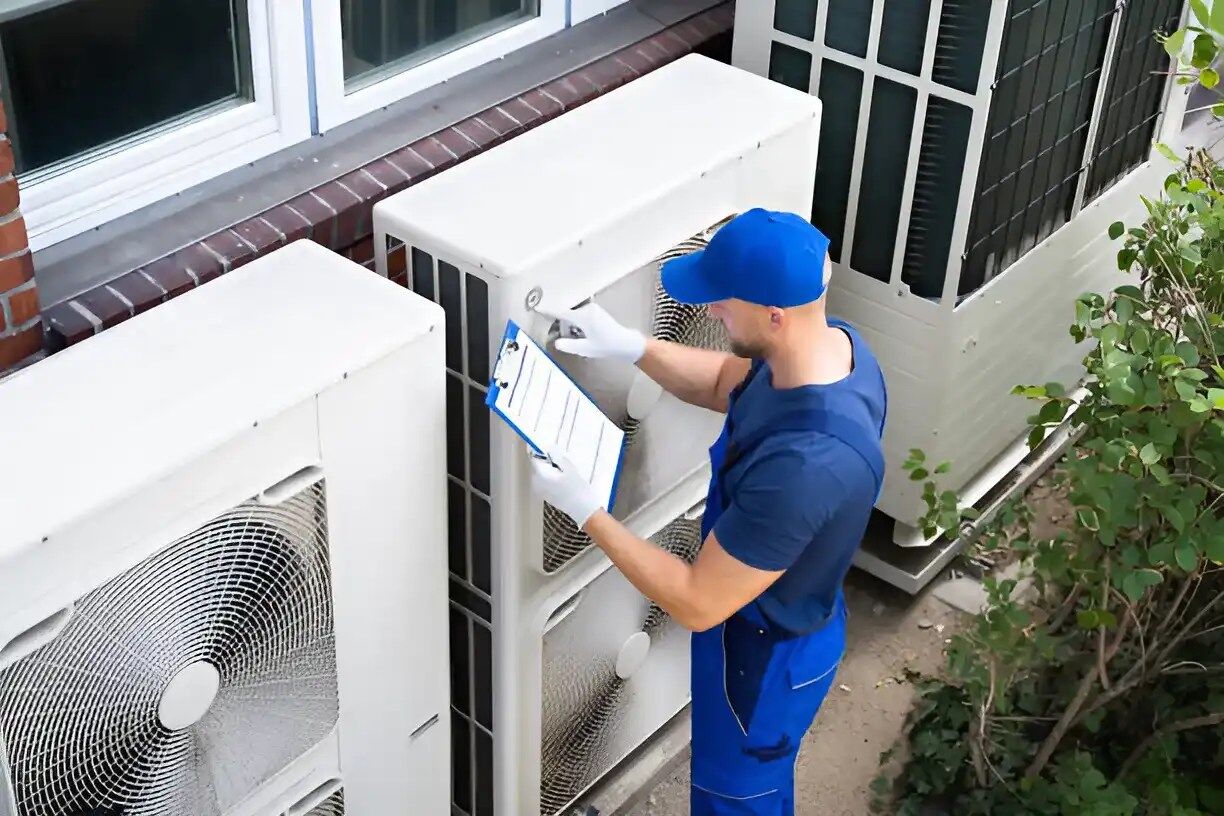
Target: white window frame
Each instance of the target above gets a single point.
(581, 10)
(337, 106)
(92, 191)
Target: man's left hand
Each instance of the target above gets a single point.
(560, 484)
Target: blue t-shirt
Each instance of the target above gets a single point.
(800, 501)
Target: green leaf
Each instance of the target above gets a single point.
(1088, 619)
(1116, 230)
(918, 474)
(1149, 455)
(1217, 109)
(1140, 341)
(1087, 518)
(1187, 556)
(1161, 473)
(1173, 46)
(1185, 389)
(943, 467)
(1188, 352)
(1201, 12)
(1208, 78)
(1137, 582)
(1217, 17)
(1124, 308)
(1203, 52)
(1036, 437)
(1215, 549)
(1127, 257)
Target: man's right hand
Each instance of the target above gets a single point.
(602, 337)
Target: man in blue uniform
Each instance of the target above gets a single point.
(795, 474)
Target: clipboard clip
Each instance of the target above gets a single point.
(506, 351)
(541, 457)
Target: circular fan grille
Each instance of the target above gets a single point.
(673, 321)
(249, 595)
(573, 748)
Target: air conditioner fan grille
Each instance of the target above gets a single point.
(247, 597)
(671, 320)
(576, 747)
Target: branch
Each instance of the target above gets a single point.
(1192, 477)
(1102, 661)
(1159, 734)
(1064, 723)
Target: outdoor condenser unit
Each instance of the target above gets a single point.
(560, 668)
(973, 154)
(222, 558)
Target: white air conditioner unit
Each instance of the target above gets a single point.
(568, 667)
(971, 162)
(222, 570)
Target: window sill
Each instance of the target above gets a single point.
(96, 279)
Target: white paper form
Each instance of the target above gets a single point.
(549, 410)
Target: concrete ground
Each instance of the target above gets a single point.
(889, 631)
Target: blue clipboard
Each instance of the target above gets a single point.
(507, 373)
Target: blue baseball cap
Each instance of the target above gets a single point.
(763, 257)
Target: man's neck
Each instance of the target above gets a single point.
(817, 355)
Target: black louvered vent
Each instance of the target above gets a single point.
(960, 43)
(841, 93)
(1135, 94)
(465, 299)
(1045, 88)
(941, 164)
(884, 167)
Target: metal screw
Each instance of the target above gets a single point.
(534, 297)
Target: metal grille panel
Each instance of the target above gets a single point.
(465, 300)
(247, 594)
(1137, 81)
(1045, 89)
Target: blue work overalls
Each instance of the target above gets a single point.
(756, 688)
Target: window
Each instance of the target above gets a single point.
(952, 143)
(113, 104)
(389, 49)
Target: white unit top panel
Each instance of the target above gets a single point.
(91, 424)
(520, 202)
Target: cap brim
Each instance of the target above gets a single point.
(684, 281)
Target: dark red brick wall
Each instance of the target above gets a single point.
(21, 335)
(338, 214)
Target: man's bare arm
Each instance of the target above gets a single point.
(696, 376)
(698, 596)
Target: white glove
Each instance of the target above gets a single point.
(602, 336)
(560, 484)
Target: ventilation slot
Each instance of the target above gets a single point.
(841, 91)
(848, 26)
(903, 34)
(960, 43)
(945, 139)
(884, 167)
(790, 66)
(216, 652)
